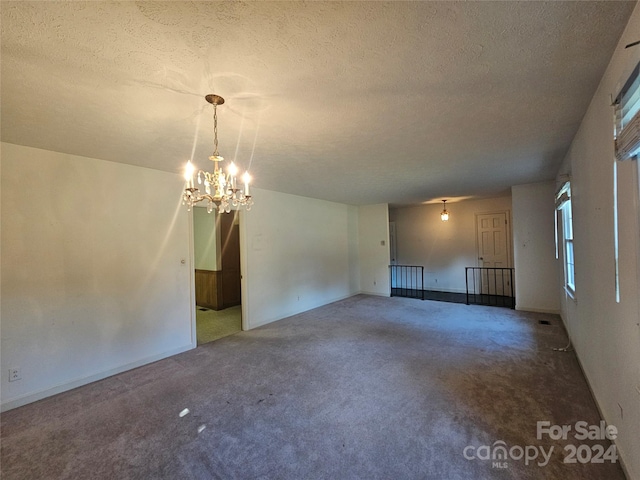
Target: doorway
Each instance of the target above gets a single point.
(230, 259)
(217, 274)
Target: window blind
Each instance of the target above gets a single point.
(563, 195)
(627, 118)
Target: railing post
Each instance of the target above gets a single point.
(513, 291)
(407, 281)
(485, 292)
(404, 283)
(466, 281)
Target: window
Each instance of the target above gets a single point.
(567, 224)
(626, 134)
(627, 118)
(563, 205)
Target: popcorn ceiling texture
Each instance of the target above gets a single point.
(359, 102)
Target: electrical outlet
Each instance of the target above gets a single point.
(14, 374)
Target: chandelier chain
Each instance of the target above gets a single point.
(215, 130)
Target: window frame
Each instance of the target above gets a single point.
(626, 139)
(565, 208)
(569, 252)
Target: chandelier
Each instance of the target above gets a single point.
(221, 189)
(444, 215)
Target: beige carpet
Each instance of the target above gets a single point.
(368, 388)
(212, 325)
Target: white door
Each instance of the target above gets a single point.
(393, 254)
(392, 242)
(492, 233)
(493, 246)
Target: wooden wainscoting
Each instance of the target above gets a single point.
(209, 289)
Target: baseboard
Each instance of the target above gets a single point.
(595, 400)
(377, 294)
(297, 312)
(536, 310)
(79, 382)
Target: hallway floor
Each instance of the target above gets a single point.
(214, 324)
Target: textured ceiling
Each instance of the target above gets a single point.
(358, 102)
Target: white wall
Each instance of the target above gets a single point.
(535, 263)
(298, 254)
(606, 334)
(443, 248)
(92, 276)
(373, 246)
(92, 279)
(206, 245)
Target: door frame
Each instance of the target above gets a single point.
(192, 279)
(244, 294)
(244, 290)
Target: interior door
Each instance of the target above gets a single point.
(492, 230)
(392, 243)
(393, 253)
(230, 255)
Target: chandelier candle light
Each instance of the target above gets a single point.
(221, 189)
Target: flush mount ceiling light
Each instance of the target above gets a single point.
(444, 216)
(221, 190)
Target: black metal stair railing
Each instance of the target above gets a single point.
(490, 286)
(407, 281)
